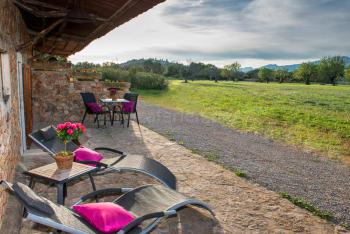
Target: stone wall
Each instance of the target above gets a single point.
(56, 98)
(12, 33)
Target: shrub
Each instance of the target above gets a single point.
(144, 80)
(113, 74)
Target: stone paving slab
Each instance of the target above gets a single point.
(240, 206)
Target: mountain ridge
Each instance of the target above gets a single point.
(291, 67)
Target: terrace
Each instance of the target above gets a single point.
(240, 206)
(38, 91)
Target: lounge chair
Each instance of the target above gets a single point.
(150, 204)
(46, 139)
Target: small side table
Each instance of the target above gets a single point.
(51, 174)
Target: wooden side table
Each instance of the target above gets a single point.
(51, 174)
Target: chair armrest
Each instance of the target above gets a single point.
(110, 150)
(103, 193)
(139, 220)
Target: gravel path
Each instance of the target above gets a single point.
(320, 181)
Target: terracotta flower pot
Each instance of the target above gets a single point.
(64, 162)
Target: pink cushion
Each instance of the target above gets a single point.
(128, 106)
(86, 154)
(94, 107)
(106, 217)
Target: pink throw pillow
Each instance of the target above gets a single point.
(106, 217)
(86, 154)
(128, 107)
(94, 107)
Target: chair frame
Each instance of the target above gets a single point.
(129, 97)
(156, 216)
(90, 97)
(113, 167)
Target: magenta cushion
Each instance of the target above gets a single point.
(86, 154)
(94, 107)
(128, 107)
(106, 217)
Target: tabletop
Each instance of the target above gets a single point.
(51, 172)
(109, 100)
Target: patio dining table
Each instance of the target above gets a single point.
(112, 104)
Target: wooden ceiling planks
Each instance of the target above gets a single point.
(73, 33)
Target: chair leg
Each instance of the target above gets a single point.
(128, 120)
(104, 118)
(137, 118)
(84, 117)
(122, 122)
(98, 122)
(110, 117)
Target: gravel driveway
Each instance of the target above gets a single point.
(318, 180)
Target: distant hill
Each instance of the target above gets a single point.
(136, 62)
(246, 69)
(291, 67)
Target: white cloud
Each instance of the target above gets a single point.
(222, 31)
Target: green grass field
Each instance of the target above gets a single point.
(314, 117)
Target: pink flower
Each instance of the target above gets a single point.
(74, 126)
(68, 124)
(70, 132)
(60, 127)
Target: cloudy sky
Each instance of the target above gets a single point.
(253, 32)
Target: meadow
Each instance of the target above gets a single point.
(312, 117)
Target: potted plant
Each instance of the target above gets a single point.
(113, 93)
(67, 132)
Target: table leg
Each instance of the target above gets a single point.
(112, 121)
(65, 190)
(60, 194)
(31, 183)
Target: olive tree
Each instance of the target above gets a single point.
(347, 74)
(306, 72)
(282, 75)
(265, 74)
(331, 69)
(231, 71)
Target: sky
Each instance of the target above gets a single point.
(252, 32)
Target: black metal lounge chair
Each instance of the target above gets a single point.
(46, 139)
(150, 204)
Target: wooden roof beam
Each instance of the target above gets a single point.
(60, 37)
(40, 35)
(39, 13)
(44, 4)
(125, 6)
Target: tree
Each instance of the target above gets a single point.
(231, 71)
(306, 72)
(282, 75)
(213, 72)
(226, 74)
(265, 74)
(331, 69)
(347, 74)
(252, 75)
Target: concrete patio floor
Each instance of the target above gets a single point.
(240, 206)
